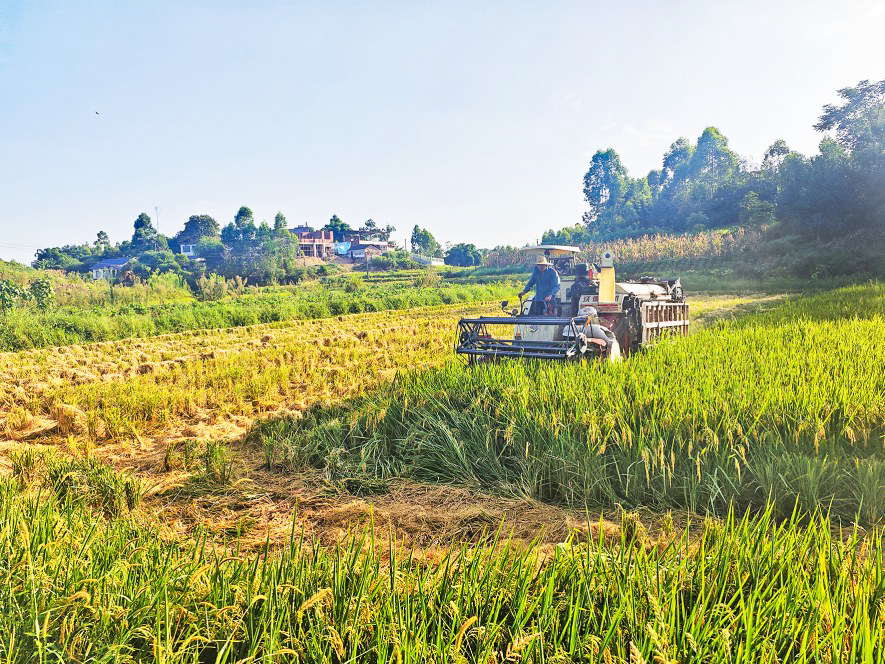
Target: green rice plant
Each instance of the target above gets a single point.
(163, 314)
(74, 587)
(869, 489)
(27, 463)
(218, 463)
(94, 484)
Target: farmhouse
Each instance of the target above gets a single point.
(109, 268)
(360, 251)
(320, 244)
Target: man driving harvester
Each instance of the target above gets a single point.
(545, 280)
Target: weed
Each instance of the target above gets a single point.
(218, 463)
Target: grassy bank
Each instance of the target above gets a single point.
(78, 584)
(788, 404)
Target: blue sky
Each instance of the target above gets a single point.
(474, 119)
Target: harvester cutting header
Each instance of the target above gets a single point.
(578, 310)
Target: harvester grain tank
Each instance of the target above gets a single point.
(593, 315)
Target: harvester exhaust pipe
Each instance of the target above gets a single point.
(607, 278)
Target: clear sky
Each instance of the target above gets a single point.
(474, 119)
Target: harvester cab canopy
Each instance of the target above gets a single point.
(562, 256)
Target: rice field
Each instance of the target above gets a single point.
(169, 384)
(788, 405)
(720, 497)
(75, 586)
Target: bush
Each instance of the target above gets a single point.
(211, 288)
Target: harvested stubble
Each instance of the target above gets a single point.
(788, 405)
(75, 587)
(135, 387)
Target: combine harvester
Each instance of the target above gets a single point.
(592, 316)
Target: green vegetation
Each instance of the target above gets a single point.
(829, 206)
(787, 405)
(75, 586)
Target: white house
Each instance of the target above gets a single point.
(109, 268)
(428, 260)
(189, 250)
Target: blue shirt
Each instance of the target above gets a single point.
(546, 283)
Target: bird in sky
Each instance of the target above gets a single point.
(97, 113)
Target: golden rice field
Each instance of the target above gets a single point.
(353, 547)
(172, 384)
(216, 382)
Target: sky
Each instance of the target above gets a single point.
(476, 120)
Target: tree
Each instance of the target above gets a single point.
(463, 255)
(712, 162)
(337, 227)
(145, 238)
(775, 155)
(860, 119)
(676, 161)
(280, 225)
(102, 241)
(143, 221)
(161, 260)
(423, 242)
(755, 212)
(386, 232)
(63, 258)
(197, 227)
(604, 183)
(243, 218)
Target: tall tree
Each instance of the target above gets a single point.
(423, 242)
(860, 119)
(102, 241)
(244, 218)
(145, 237)
(197, 227)
(280, 225)
(674, 169)
(712, 162)
(604, 183)
(775, 155)
(385, 233)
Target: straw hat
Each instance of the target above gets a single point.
(542, 260)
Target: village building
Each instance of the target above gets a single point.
(361, 251)
(109, 268)
(319, 244)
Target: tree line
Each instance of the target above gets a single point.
(260, 252)
(705, 185)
